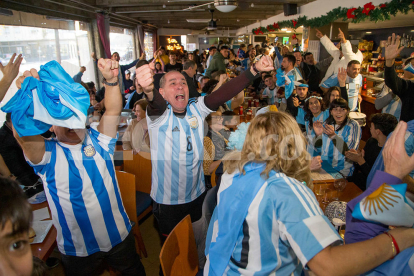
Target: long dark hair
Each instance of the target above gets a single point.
(342, 103)
(309, 115)
(327, 97)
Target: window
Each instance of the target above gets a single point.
(122, 42)
(148, 45)
(70, 47)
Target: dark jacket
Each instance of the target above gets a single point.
(403, 89)
(192, 89)
(216, 64)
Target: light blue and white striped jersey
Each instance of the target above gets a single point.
(271, 95)
(394, 106)
(83, 194)
(351, 134)
(352, 86)
(300, 117)
(310, 133)
(275, 231)
(177, 154)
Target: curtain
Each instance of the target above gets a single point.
(103, 27)
(154, 39)
(140, 31)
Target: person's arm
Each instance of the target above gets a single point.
(383, 101)
(330, 47)
(400, 87)
(113, 98)
(360, 257)
(342, 83)
(10, 72)
(156, 103)
(234, 86)
(293, 110)
(324, 63)
(78, 77)
(127, 66)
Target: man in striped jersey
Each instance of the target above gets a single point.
(78, 173)
(176, 127)
(353, 84)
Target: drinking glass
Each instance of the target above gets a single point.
(340, 184)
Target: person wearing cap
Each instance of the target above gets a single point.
(400, 87)
(128, 82)
(296, 102)
(217, 63)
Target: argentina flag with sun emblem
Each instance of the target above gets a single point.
(386, 205)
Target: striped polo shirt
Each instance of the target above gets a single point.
(83, 194)
(177, 154)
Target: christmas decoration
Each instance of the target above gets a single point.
(350, 14)
(368, 7)
(353, 15)
(294, 36)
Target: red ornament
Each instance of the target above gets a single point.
(368, 7)
(294, 36)
(260, 31)
(276, 26)
(350, 14)
(383, 6)
(256, 31)
(294, 23)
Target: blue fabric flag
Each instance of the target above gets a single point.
(285, 80)
(409, 68)
(55, 99)
(386, 205)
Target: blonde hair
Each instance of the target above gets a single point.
(273, 138)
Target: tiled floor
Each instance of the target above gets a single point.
(152, 244)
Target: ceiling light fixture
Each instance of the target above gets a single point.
(288, 31)
(238, 20)
(168, 21)
(368, 32)
(164, 6)
(252, 5)
(283, 30)
(225, 5)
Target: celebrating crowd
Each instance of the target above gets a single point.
(267, 219)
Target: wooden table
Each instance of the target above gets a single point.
(44, 249)
(350, 192)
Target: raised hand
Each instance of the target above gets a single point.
(142, 57)
(319, 34)
(11, 70)
(329, 130)
(32, 73)
(295, 101)
(318, 128)
(396, 160)
(265, 64)
(392, 49)
(109, 69)
(144, 75)
(83, 69)
(341, 36)
(342, 77)
(93, 56)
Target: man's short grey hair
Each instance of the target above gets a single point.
(189, 64)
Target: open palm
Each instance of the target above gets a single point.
(393, 49)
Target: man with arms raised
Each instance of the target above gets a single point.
(176, 127)
(78, 173)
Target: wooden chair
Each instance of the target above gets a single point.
(214, 178)
(140, 166)
(126, 183)
(179, 253)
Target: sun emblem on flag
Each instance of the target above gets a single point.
(381, 197)
(89, 150)
(192, 121)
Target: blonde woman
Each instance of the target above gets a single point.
(136, 136)
(267, 221)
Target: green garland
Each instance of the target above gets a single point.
(381, 12)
